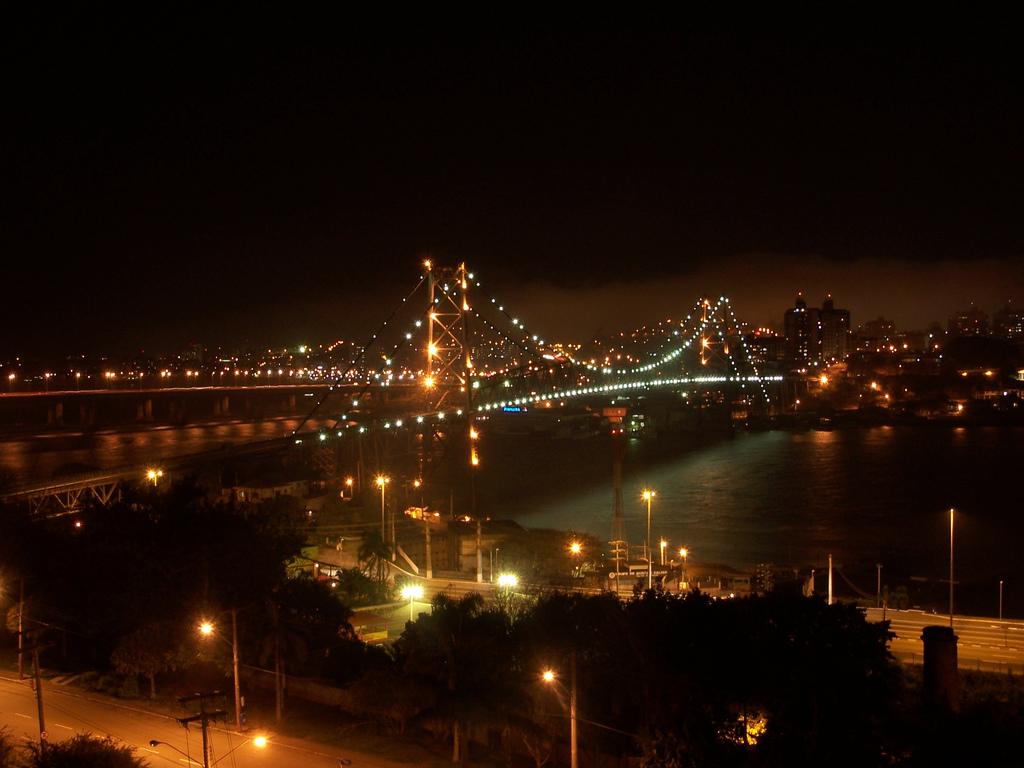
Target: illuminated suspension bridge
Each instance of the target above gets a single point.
(450, 356)
(459, 354)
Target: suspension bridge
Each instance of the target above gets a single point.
(450, 356)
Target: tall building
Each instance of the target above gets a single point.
(969, 322)
(835, 331)
(802, 329)
(1008, 322)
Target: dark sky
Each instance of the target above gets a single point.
(168, 179)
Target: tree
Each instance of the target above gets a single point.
(148, 651)
(463, 652)
(305, 620)
(83, 751)
(374, 555)
(6, 748)
(356, 588)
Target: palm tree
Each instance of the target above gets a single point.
(461, 651)
(374, 555)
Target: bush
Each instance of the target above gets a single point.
(83, 751)
(129, 688)
(6, 749)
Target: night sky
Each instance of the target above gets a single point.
(168, 179)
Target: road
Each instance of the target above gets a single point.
(69, 712)
(984, 642)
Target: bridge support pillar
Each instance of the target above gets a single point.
(86, 414)
(55, 415)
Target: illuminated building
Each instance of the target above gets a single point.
(802, 329)
(835, 331)
(969, 322)
(1008, 322)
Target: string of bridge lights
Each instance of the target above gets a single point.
(525, 345)
(358, 357)
(665, 359)
(440, 417)
(750, 359)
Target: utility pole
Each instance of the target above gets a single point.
(234, 663)
(573, 750)
(21, 629)
(479, 554)
(830, 579)
(204, 717)
(951, 567)
(878, 587)
(426, 533)
(39, 697)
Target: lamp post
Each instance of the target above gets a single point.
(661, 545)
(412, 593)
(647, 496)
(575, 550)
(951, 513)
(683, 553)
(207, 629)
(382, 480)
(1000, 599)
(549, 677)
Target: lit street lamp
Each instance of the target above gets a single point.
(683, 553)
(508, 581)
(549, 677)
(662, 544)
(575, 551)
(382, 480)
(412, 593)
(153, 475)
(207, 629)
(647, 496)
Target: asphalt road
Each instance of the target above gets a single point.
(989, 641)
(69, 712)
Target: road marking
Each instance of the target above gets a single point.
(153, 751)
(188, 762)
(27, 717)
(66, 727)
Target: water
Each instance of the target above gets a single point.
(865, 495)
(41, 457)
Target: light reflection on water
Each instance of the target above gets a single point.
(39, 457)
(866, 495)
(862, 494)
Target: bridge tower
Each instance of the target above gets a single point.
(449, 352)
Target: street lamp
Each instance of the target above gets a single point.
(412, 593)
(683, 553)
(508, 581)
(662, 544)
(382, 480)
(207, 629)
(153, 475)
(647, 496)
(549, 677)
(260, 742)
(951, 513)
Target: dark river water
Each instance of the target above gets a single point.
(866, 495)
(871, 495)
